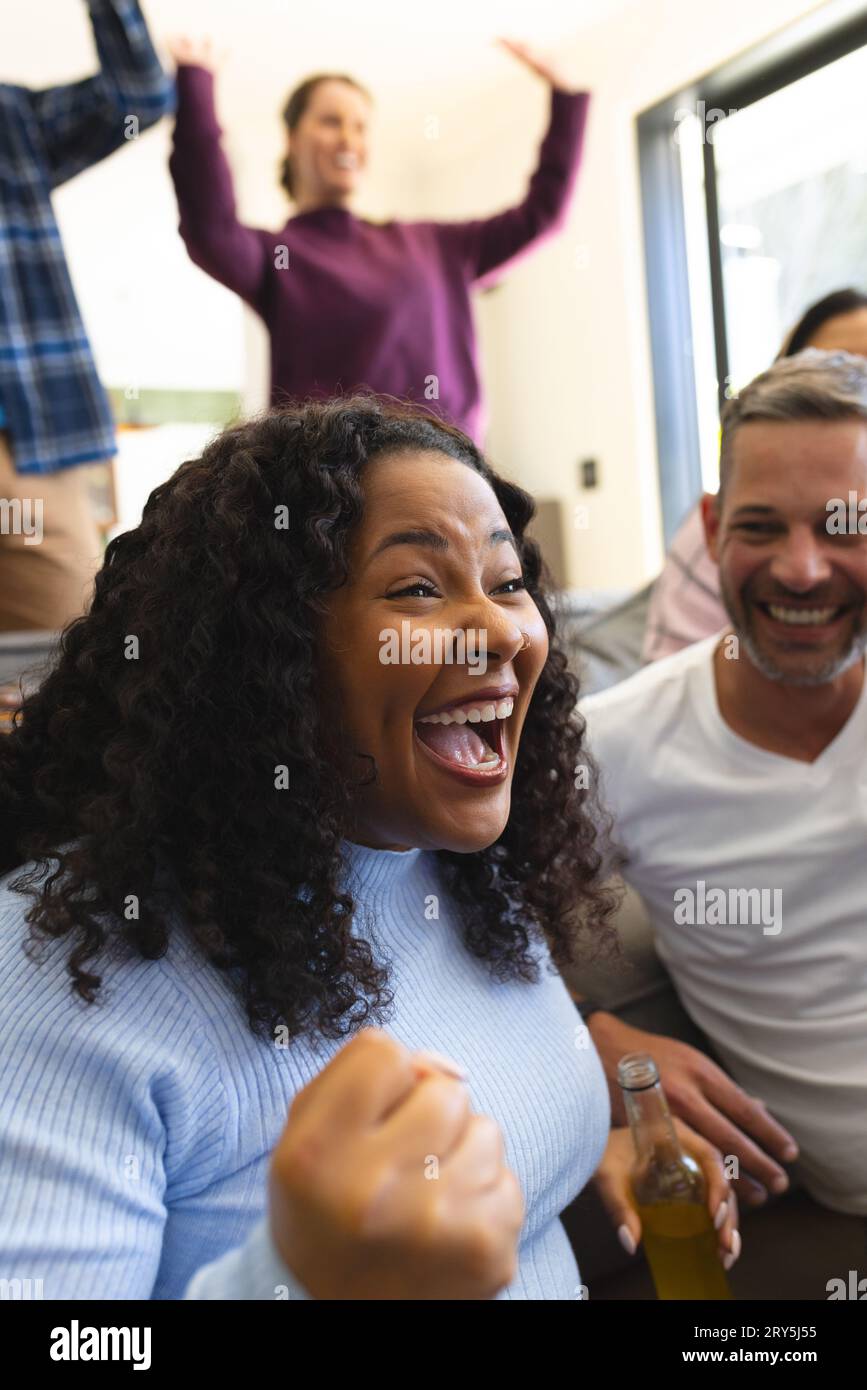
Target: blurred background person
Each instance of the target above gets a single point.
(685, 605)
(54, 413)
(349, 302)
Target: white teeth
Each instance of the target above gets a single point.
(346, 160)
(801, 616)
(473, 714)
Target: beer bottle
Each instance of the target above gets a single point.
(680, 1242)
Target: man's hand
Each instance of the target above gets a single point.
(700, 1092)
(538, 63)
(385, 1185)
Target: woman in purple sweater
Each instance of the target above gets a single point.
(350, 303)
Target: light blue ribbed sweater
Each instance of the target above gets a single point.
(135, 1133)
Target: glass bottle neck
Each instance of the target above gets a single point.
(652, 1129)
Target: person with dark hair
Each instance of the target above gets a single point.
(306, 766)
(54, 413)
(837, 323)
(348, 302)
(685, 605)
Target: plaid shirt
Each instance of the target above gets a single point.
(55, 409)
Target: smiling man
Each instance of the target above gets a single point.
(738, 766)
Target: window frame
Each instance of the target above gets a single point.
(802, 48)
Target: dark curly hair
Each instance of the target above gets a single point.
(144, 763)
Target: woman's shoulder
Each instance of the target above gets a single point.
(135, 1067)
(168, 996)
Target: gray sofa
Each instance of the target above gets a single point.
(23, 655)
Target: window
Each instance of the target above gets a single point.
(754, 186)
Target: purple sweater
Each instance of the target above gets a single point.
(352, 303)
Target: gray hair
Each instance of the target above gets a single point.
(812, 385)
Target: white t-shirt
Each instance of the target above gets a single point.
(777, 979)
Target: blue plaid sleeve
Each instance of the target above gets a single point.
(82, 122)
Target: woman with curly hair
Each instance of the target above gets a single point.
(240, 832)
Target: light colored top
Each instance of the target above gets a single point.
(135, 1134)
(778, 983)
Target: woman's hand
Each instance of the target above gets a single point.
(385, 1185)
(699, 1092)
(538, 63)
(198, 52)
(611, 1180)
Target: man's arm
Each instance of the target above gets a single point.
(701, 1093)
(81, 122)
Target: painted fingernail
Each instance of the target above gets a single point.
(627, 1240)
(779, 1183)
(441, 1063)
(721, 1214)
(729, 1259)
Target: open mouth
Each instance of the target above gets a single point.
(468, 739)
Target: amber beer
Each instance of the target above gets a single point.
(669, 1190)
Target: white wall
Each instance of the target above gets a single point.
(564, 341)
(572, 342)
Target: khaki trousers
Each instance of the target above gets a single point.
(49, 553)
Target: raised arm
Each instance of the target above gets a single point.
(216, 241)
(487, 245)
(79, 123)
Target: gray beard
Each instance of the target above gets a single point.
(823, 676)
(766, 667)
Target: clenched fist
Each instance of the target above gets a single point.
(385, 1185)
